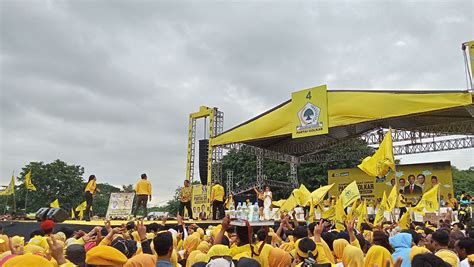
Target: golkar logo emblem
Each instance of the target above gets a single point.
(309, 118)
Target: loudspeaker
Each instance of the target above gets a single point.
(203, 154)
(58, 215)
(41, 214)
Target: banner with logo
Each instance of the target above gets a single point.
(120, 204)
(199, 202)
(423, 177)
(309, 112)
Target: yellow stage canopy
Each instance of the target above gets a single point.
(347, 108)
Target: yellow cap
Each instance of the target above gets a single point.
(218, 251)
(105, 255)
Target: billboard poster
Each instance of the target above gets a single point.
(413, 179)
(200, 205)
(120, 204)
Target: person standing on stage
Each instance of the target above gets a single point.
(89, 192)
(143, 191)
(217, 198)
(267, 202)
(259, 201)
(185, 199)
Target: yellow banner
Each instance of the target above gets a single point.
(309, 112)
(199, 202)
(422, 175)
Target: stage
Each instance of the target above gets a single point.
(24, 228)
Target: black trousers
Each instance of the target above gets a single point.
(89, 200)
(141, 200)
(217, 206)
(188, 207)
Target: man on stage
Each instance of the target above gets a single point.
(143, 191)
(217, 198)
(185, 200)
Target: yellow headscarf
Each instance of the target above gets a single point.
(279, 258)
(415, 250)
(353, 257)
(141, 260)
(191, 242)
(29, 260)
(196, 256)
(448, 256)
(303, 254)
(339, 245)
(200, 231)
(377, 255)
(203, 247)
(218, 251)
(174, 258)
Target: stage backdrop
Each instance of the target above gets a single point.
(120, 204)
(371, 187)
(200, 205)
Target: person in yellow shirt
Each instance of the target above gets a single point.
(217, 198)
(143, 190)
(89, 192)
(185, 195)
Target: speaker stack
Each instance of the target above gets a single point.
(203, 154)
(58, 215)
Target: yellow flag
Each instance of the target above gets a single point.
(279, 202)
(301, 195)
(318, 194)
(363, 218)
(392, 198)
(28, 184)
(54, 204)
(81, 206)
(311, 211)
(72, 213)
(10, 189)
(382, 161)
(350, 194)
(404, 221)
(289, 204)
(340, 215)
(379, 217)
(354, 212)
(429, 200)
(327, 214)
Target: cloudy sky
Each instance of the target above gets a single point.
(109, 84)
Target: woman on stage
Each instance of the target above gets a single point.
(90, 191)
(267, 202)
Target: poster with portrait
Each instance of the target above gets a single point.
(120, 204)
(413, 180)
(199, 203)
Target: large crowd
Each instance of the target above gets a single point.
(287, 243)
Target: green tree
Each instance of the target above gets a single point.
(463, 180)
(52, 180)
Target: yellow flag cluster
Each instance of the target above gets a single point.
(379, 164)
(379, 217)
(363, 216)
(28, 184)
(81, 208)
(10, 189)
(340, 215)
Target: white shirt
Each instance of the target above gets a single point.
(464, 263)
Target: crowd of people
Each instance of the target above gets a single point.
(287, 243)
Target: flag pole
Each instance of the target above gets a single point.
(26, 199)
(14, 199)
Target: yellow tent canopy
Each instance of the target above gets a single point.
(364, 109)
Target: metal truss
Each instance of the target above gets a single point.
(268, 154)
(271, 183)
(260, 177)
(320, 158)
(217, 152)
(230, 182)
(294, 174)
(191, 148)
(440, 145)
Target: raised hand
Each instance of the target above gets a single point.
(56, 250)
(141, 229)
(17, 249)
